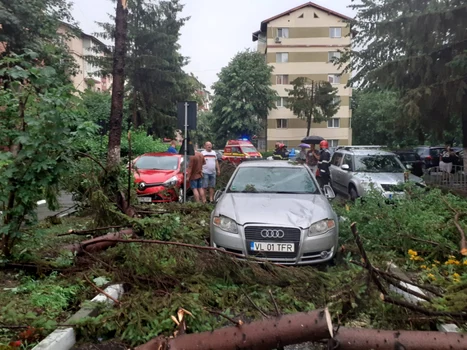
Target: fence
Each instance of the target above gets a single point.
(456, 180)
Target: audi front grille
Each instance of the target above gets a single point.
(273, 234)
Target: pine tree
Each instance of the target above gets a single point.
(418, 48)
(156, 80)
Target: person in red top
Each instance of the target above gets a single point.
(194, 174)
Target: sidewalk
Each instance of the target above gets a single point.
(66, 206)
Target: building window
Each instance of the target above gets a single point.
(334, 79)
(333, 143)
(281, 102)
(282, 57)
(283, 32)
(333, 123)
(333, 55)
(335, 32)
(282, 124)
(282, 79)
(337, 100)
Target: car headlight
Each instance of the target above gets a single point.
(224, 223)
(141, 186)
(321, 227)
(171, 182)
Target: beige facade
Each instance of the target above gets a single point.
(82, 45)
(300, 43)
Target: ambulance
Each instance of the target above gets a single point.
(236, 151)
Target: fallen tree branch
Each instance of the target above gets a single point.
(102, 239)
(237, 323)
(100, 243)
(390, 275)
(255, 306)
(85, 232)
(259, 335)
(457, 216)
(365, 339)
(101, 291)
(93, 159)
(368, 265)
(278, 313)
(373, 272)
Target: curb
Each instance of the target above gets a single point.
(64, 338)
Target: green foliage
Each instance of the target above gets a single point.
(39, 303)
(243, 97)
(31, 25)
(153, 66)
(204, 131)
(426, 67)
(313, 101)
(41, 119)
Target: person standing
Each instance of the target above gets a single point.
(172, 148)
(194, 174)
(312, 158)
(210, 170)
(446, 158)
(323, 164)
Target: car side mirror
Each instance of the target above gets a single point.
(218, 194)
(345, 167)
(329, 192)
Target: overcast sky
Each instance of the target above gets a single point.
(216, 31)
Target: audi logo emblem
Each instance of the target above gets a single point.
(272, 233)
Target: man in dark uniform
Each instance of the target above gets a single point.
(324, 164)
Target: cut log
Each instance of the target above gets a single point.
(265, 334)
(100, 243)
(366, 339)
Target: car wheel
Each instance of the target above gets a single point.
(353, 193)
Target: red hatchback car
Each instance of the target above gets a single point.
(159, 177)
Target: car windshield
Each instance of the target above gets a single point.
(273, 180)
(248, 149)
(157, 163)
(378, 164)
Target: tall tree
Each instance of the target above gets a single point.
(243, 96)
(313, 101)
(419, 48)
(155, 78)
(118, 85)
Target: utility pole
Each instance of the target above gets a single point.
(118, 72)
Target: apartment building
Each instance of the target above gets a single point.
(82, 45)
(301, 42)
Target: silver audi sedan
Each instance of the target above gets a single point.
(275, 210)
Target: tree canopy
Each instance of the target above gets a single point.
(313, 101)
(156, 80)
(243, 96)
(417, 48)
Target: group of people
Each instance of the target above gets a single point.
(202, 170)
(317, 161)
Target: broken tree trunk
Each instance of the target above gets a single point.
(100, 243)
(366, 339)
(265, 334)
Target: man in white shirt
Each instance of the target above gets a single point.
(210, 169)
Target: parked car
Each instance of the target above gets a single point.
(354, 171)
(159, 177)
(431, 155)
(274, 210)
(412, 161)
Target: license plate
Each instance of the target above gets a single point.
(272, 247)
(145, 199)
